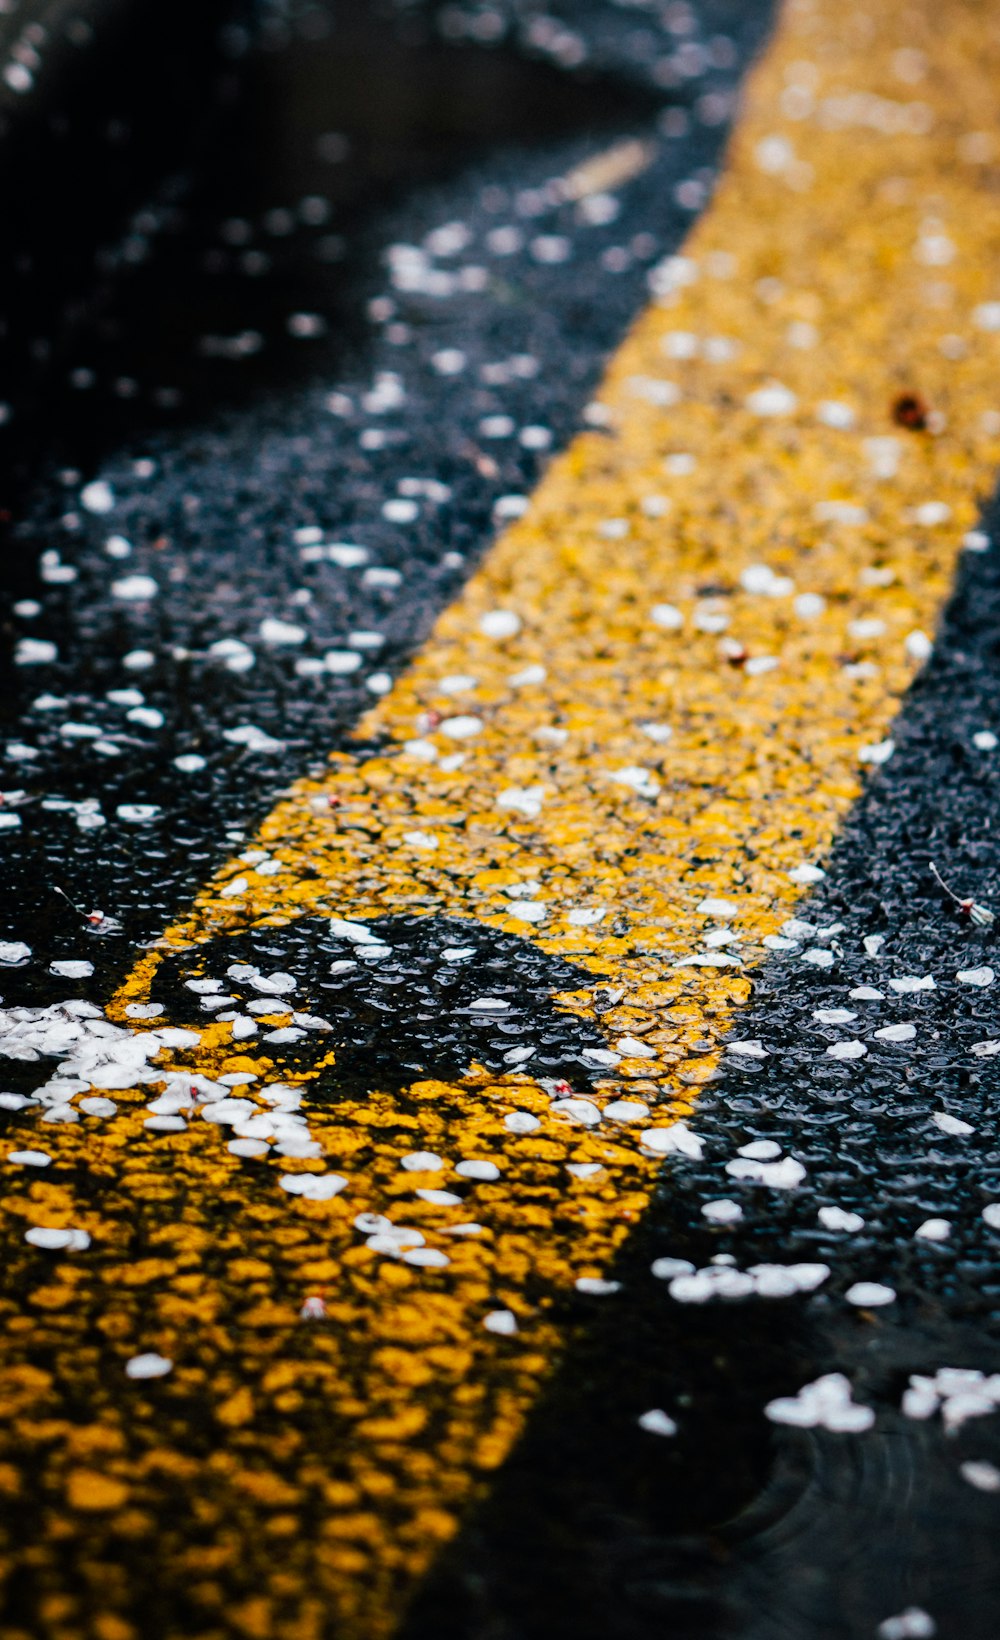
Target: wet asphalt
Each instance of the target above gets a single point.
(236, 360)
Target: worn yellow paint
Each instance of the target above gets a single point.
(282, 1467)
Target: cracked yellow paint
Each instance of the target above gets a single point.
(681, 656)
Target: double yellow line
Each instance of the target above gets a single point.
(630, 741)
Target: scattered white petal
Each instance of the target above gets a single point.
(520, 1121)
(357, 933)
(825, 1404)
(423, 840)
(786, 1280)
(526, 800)
(314, 1187)
(951, 1124)
(462, 727)
(878, 753)
(34, 652)
(760, 580)
(761, 1150)
(717, 1281)
(665, 1269)
(808, 605)
(633, 1048)
(503, 1322)
(657, 1422)
(57, 1241)
(772, 400)
(500, 623)
(912, 1624)
(97, 497)
(866, 629)
(919, 1401)
(247, 1148)
(847, 1050)
(833, 413)
(897, 1033)
(640, 780)
(805, 874)
(676, 1140)
(342, 662)
(149, 1365)
(930, 513)
(722, 1212)
(134, 588)
(626, 1110)
(137, 814)
(976, 976)
(869, 1295)
(918, 646)
(428, 1257)
(487, 1172)
(838, 1218)
(720, 909)
(582, 1111)
(784, 1175)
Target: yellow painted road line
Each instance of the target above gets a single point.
(681, 659)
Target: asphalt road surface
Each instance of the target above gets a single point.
(499, 866)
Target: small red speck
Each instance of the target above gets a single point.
(911, 411)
